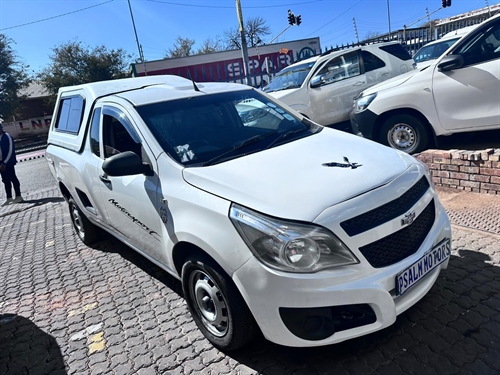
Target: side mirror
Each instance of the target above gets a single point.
(317, 81)
(450, 62)
(126, 164)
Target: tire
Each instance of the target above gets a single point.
(216, 305)
(405, 133)
(87, 231)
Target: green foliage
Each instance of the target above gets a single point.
(73, 63)
(13, 77)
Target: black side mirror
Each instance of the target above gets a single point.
(450, 62)
(126, 164)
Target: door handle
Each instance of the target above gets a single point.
(104, 179)
(359, 83)
(385, 74)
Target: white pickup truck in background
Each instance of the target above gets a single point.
(271, 222)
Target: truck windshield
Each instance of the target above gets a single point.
(210, 129)
(433, 51)
(289, 78)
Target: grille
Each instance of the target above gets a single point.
(386, 212)
(401, 244)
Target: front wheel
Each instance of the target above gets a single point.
(216, 305)
(87, 231)
(405, 133)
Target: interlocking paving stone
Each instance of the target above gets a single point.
(66, 308)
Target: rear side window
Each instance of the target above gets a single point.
(70, 114)
(371, 62)
(397, 50)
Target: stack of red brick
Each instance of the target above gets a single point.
(477, 171)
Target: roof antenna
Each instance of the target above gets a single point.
(192, 80)
(195, 87)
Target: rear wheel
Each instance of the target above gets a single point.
(216, 305)
(405, 133)
(87, 231)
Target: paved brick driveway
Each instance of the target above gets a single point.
(66, 308)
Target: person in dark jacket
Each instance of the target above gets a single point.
(7, 162)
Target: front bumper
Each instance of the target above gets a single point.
(267, 292)
(363, 124)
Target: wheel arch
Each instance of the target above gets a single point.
(184, 250)
(404, 111)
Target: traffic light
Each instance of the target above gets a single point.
(446, 3)
(299, 20)
(291, 18)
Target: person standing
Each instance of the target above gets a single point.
(7, 162)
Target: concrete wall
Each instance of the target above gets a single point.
(477, 171)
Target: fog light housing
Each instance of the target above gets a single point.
(319, 323)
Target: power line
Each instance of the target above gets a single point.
(232, 7)
(340, 15)
(50, 18)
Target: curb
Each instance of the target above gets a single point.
(31, 158)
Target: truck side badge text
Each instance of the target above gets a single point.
(133, 218)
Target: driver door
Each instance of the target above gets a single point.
(131, 202)
(341, 80)
(469, 96)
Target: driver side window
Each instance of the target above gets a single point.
(484, 47)
(117, 137)
(340, 68)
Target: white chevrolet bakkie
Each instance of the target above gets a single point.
(271, 222)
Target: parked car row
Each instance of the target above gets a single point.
(451, 85)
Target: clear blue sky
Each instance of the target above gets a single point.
(36, 26)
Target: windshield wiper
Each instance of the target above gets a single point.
(285, 135)
(242, 144)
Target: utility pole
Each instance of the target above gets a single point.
(139, 47)
(389, 19)
(488, 6)
(430, 24)
(355, 28)
(244, 49)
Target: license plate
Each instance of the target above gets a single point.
(413, 274)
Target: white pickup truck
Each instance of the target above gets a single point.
(271, 221)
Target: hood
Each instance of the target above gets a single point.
(393, 82)
(290, 181)
(281, 93)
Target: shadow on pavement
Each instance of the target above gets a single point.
(113, 245)
(26, 349)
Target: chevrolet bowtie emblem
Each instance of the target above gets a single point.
(408, 218)
(347, 164)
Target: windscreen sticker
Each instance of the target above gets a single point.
(184, 153)
(141, 225)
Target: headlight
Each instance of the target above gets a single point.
(362, 103)
(428, 173)
(289, 246)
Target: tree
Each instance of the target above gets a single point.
(182, 48)
(210, 46)
(13, 77)
(255, 30)
(73, 63)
